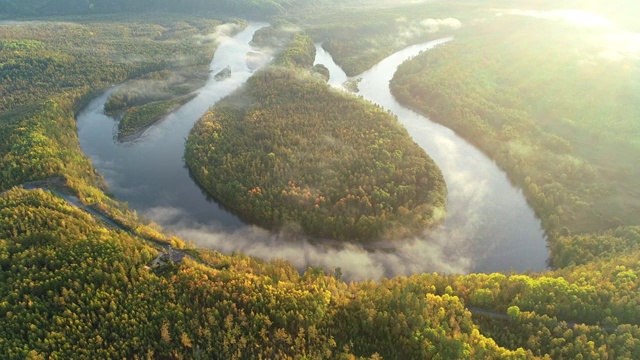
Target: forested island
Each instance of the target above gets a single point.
(137, 118)
(287, 150)
(560, 122)
(144, 101)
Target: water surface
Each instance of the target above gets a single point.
(489, 227)
(149, 172)
(489, 220)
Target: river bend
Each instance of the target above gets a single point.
(489, 226)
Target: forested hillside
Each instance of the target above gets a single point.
(72, 286)
(554, 103)
(48, 70)
(388, 29)
(288, 149)
(72, 7)
(563, 124)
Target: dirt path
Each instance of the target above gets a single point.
(56, 185)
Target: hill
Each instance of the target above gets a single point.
(75, 7)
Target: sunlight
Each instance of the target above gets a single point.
(621, 45)
(576, 17)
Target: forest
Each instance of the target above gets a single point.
(388, 30)
(74, 7)
(544, 115)
(72, 286)
(296, 154)
(72, 62)
(73, 289)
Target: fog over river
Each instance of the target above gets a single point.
(489, 226)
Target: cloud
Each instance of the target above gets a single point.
(164, 214)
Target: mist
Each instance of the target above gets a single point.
(575, 17)
(411, 29)
(488, 225)
(616, 44)
(222, 32)
(441, 253)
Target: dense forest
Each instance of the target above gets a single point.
(391, 28)
(66, 7)
(563, 124)
(71, 62)
(388, 30)
(287, 149)
(74, 289)
(73, 286)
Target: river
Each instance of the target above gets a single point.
(489, 225)
(487, 217)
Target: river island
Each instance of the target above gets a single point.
(288, 152)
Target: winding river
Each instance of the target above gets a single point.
(489, 226)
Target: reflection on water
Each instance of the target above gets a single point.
(149, 173)
(488, 219)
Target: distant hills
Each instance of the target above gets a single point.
(10, 8)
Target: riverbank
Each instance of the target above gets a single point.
(314, 161)
(462, 244)
(478, 191)
(138, 118)
(568, 153)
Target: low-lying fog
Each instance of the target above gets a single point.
(489, 226)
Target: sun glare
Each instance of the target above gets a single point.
(616, 45)
(622, 45)
(576, 17)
